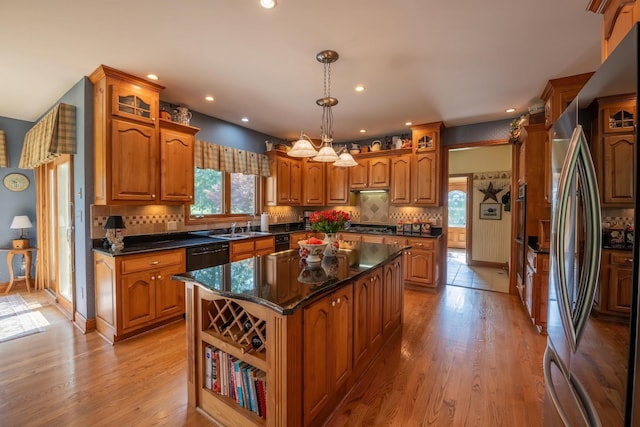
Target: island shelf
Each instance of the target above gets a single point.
(260, 355)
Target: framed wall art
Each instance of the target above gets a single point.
(490, 211)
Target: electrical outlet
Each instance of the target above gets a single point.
(172, 225)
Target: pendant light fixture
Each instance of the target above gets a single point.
(305, 147)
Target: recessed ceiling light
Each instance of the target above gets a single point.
(152, 77)
(408, 123)
(268, 4)
(510, 110)
(208, 98)
(360, 88)
(244, 119)
(363, 130)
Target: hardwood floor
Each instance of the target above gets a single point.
(464, 358)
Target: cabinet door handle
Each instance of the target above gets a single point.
(153, 195)
(154, 263)
(629, 259)
(153, 277)
(338, 301)
(159, 277)
(190, 197)
(333, 303)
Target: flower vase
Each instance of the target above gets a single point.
(332, 244)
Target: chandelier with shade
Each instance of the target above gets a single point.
(305, 147)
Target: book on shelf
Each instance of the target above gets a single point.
(208, 352)
(215, 371)
(238, 378)
(262, 397)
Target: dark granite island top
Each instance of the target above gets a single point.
(284, 282)
(302, 334)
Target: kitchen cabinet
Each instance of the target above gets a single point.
(368, 293)
(296, 236)
(619, 18)
(327, 349)
(135, 293)
(337, 186)
(370, 173)
(400, 191)
(137, 160)
(392, 298)
(284, 186)
(247, 248)
(536, 288)
(426, 169)
(313, 185)
(614, 150)
(177, 143)
(557, 95)
(614, 295)
(421, 263)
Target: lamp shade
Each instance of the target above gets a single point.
(114, 222)
(326, 154)
(302, 148)
(21, 221)
(345, 160)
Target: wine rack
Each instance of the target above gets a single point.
(234, 324)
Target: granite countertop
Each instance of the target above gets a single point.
(285, 283)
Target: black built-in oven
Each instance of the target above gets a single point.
(207, 255)
(282, 242)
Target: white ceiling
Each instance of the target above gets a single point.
(460, 61)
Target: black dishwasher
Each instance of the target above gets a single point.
(207, 255)
(282, 242)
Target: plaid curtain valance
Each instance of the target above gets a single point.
(4, 156)
(232, 160)
(53, 135)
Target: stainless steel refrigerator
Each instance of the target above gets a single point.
(591, 365)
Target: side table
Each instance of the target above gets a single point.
(27, 254)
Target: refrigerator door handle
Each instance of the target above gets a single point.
(578, 393)
(578, 177)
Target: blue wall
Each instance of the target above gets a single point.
(487, 131)
(15, 203)
(225, 133)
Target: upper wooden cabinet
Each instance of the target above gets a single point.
(614, 150)
(131, 165)
(337, 185)
(558, 94)
(313, 185)
(425, 171)
(176, 161)
(284, 186)
(400, 180)
(619, 18)
(372, 172)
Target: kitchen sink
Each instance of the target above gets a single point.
(237, 236)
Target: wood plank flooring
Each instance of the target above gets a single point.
(464, 358)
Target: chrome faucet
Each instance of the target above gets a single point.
(233, 228)
(248, 226)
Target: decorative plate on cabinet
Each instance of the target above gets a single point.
(16, 182)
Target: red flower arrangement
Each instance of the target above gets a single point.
(329, 221)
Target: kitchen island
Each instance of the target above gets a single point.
(273, 341)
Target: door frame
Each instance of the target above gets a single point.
(469, 224)
(444, 190)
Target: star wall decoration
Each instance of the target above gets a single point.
(490, 192)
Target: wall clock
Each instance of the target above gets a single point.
(16, 182)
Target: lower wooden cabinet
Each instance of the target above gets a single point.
(296, 236)
(135, 293)
(615, 289)
(367, 317)
(421, 266)
(536, 288)
(247, 248)
(327, 350)
(392, 301)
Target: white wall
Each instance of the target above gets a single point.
(490, 239)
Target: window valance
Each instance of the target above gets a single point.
(4, 156)
(53, 135)
(232, 160)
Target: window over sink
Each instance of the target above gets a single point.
(218, 195)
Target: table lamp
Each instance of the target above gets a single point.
(21, 222)
(113, 226)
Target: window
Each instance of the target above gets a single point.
(223, 194)
(457, 208)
